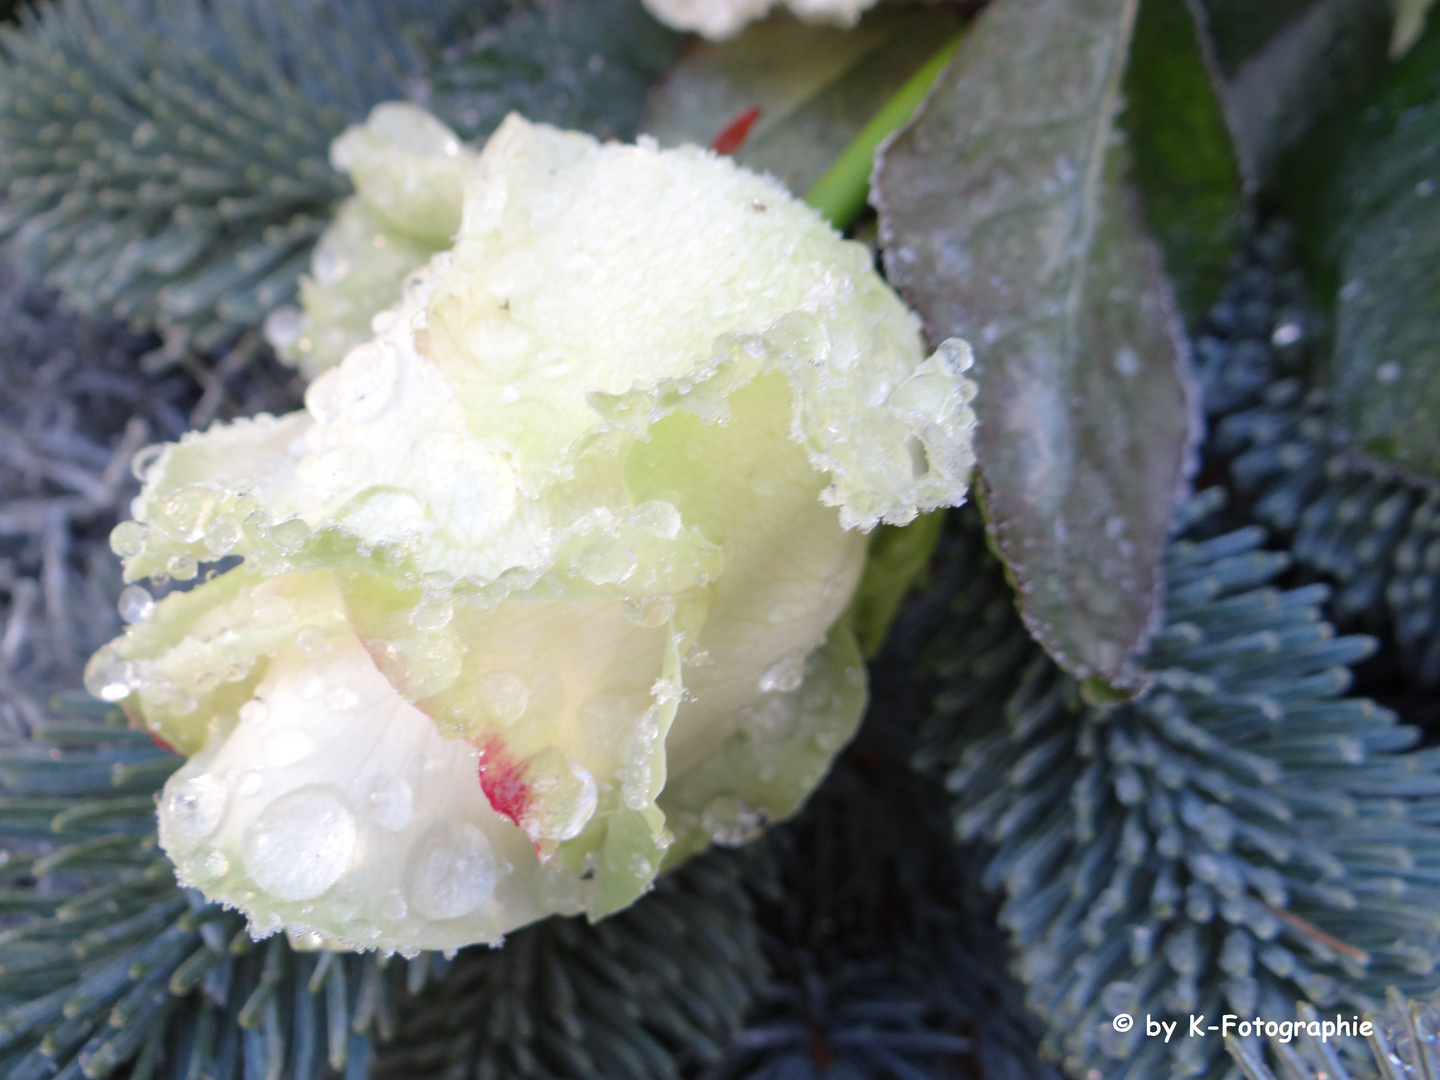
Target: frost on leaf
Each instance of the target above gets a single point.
(540, 591)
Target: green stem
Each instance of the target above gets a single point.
(840, 194)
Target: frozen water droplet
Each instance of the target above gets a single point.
(136, 604)
(432, 613)
(391, 803)
(191, 810)
(368, 377)
(301, 844)
(182, 567)
(311, 687)
(506, 695)
(210, 867)
(452, 871)
(786, 674)
(111, 677)
(283, 326)
(649, 610)
(254, 711)
(188, 511)
(328, 265)
(658, 517)
(731, 821)
(324, 399)
(127, 539)
(394, 905)
(312, 641)
(248, 783)
(221, 535)
(287, 747)
(341, 698)
(640, 865)
(562, 796)
(606, 562)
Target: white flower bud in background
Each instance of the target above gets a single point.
(543, 588)
(722, 19)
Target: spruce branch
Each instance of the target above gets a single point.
(1243, 836)
(1369, 527)
(166, 160)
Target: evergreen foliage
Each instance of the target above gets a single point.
(1404, 1045)
(1241, 837)
(105, 962)
(74, 408)
(642, 995)
(884, 954)
(1371, 528)
(167, 160)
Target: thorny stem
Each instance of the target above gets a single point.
(840, 194)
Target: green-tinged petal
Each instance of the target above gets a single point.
(336, 807)
(557, 552)
(764, 770)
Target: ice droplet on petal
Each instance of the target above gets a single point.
(368, 376)
(431, 613)
(127, 538)
(606, 562)
(312, 642)
(192, 810)
(300, 844)
(660, 518)
(649, 610)
(392, 803)
(731, 821)
(785, 674)
(452, 871)
(562, 793)
(136, 604)
(144, 460)
(287, 747)
(341, 698)
(188, 511)
(506, 695)
(211, 866)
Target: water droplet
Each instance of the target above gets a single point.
(341, 698)
(391, 803)
(211, 866)
(311, 641)
(368, 377)
(182, 567)
(649, 610)
(283, 326)
(254, 711)
(287, 747)
(658, 517)
(328, 265)
(187, 512)
(323, 398)
(640, 865)
(394, 905)
(506, 695)
(127, 539)
(191, 810)
(136, 604)
(1388, 372)
(248, 783)
(606, 562)
(452, 871)
(221, 535)
(301, 844)
(786, 674)
(109, 676)
(432, 613)
(731, 821)
(563, 796)
(311, 687)
(145, 459)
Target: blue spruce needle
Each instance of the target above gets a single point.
(1242, 837)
